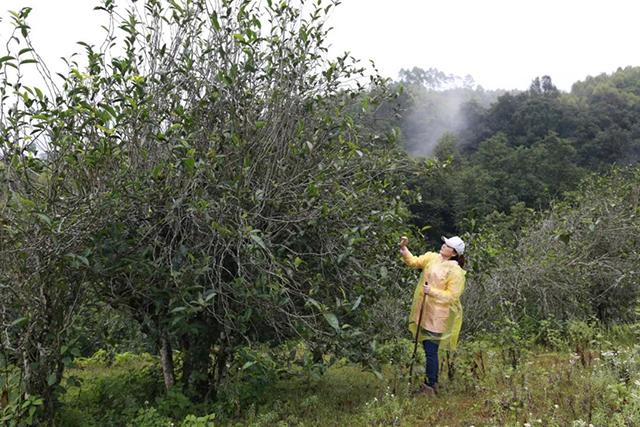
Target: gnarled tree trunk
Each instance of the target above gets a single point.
(166, 360)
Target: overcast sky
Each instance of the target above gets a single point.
(502, 44)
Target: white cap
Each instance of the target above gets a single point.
(455, 242)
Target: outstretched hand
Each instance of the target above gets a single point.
(403, 242)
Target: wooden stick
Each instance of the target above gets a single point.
(415, 347)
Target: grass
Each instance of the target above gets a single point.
(547, 390)
(601, 388)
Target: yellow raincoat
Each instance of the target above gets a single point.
(442, 309)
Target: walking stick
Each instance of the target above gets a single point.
(415, 347)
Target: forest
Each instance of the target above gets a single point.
(200, 222)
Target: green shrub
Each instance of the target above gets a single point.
(250, 374)
(100, 358)
(193, 421)
(512, 341)
(175, 404)
(127, 359)
(150, 417)
(398, 352)
(549, 333)
(623, 334)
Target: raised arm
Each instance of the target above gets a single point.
(411, 260)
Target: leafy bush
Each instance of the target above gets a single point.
(398, 352)
(549, 333)
(150, 417)
(112, 398)
(571, 264)
(194, 421)
(512, 341)
(209, 177)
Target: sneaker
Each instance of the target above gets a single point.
(424, 390)
(436, 388)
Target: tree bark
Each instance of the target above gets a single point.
(166, 359)
(27, 375)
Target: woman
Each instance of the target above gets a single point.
(441, 283)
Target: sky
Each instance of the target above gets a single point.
(502, 44)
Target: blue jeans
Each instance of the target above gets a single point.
(431, 354)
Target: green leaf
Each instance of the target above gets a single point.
(259, 241)
(214, 21)
(220, 228)
(27, 202)
(110, 110)
(19, 322)
(315, 303)
(342, 257)
(333, 320)
(176, 5)
(248, 365)
(189, 164)
(44, 218)
(357, 303)
(156, 170)
(52, 379)
(383, 272)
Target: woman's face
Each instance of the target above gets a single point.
(447, 251)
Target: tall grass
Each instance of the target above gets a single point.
(598, 384)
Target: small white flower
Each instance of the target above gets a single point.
(527, 424)
(556, 406)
